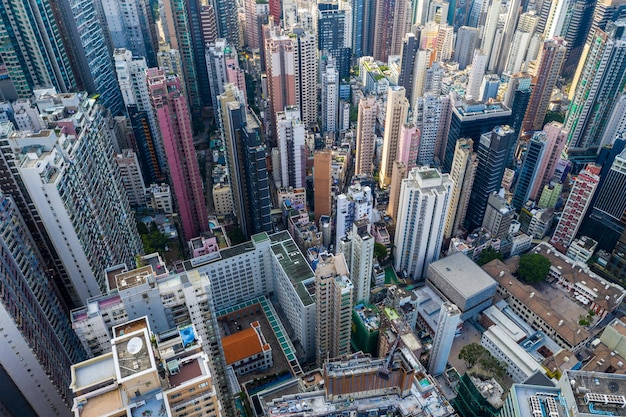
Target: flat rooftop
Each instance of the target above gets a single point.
(293, 263)
(188, 371)
(463, 274)
(93, 372)
(596, 392)
(522, 394)
(103, 404)
(133, 354)
(131, 279)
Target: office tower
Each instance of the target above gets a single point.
(575, 30)
(529, 173)
(449, 318)
(222, 68)
(466, 43)
(599, 80)
(33, 48)
(322, 183)
(510, 20)
(361, 260)
(291, 133)
(395, 117)
(462, 175)
(355, 204)
(366, 136)
(398, 174)
(228, 21)
(131, 76)
(606, 220)
(334, 35)
(471, 120)
(555, 142)
(517, 96)
(479, 66)
(130, 26)
(410, 45)
(333, 301)
(392, 22)
(408, 145)
(176, 17)
(498, 216)
(39, 344)
(131, 177)
(616, 125)
(87, 51)
(424, 203)
(174, 120)
(245, 159)
(521, 41)
(330, 97)
(432, 114)
(576, 206)
(77, 192)
(494, 151)
(552, 57)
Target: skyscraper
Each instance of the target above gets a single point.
(365, 136)
(395, 117)
(399, 173)
(281, 75)
(408, 145)
(462, 175)
(432, 114)
(333, 301)
(577, 204)
(467, 39)
(355, 204)
(424, 203)
(291, 146)
(555, 142)
(222, 66)
(392, 22)
(39, 344)
(449, 317)
(228, 21)
(361, 260)
(408, 53)
(305, 72)
(334, 35)
(322, 182)
(529, 172)
(330, 97)
(494, 151)
(599, 78)
(498, 216)
(552, 57)
(174, 120)
(479, 66)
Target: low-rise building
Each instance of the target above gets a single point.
(247, 351)
(581, 250)
(160, 198)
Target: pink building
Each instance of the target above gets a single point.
(576, 205)
(281, 76)
(173, 115)
(409, 145)
(555, 141)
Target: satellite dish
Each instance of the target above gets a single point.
(134, 345)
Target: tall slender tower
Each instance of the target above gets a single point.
(174, 119)
(529, 173)
(598, 81)
(333, 292)
(334, 35)
(410, 45)
(322, 182)
(361, 259)
(365, 136)
(555, 142)
(39, 344)
(330, 97)
(392, 22)
(281, 75)
(355, 204)
(552, 57)
(397, 110)
(305, 71)
(462, 175)
(424, 203)
(466, 42)
(291, 145)
(449, 318)
(577, 203)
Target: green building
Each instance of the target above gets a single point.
(365, 329)
(476, 397)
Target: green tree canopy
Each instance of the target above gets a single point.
(472, 353)
(533, 267)
(488, 255)
(380, 251)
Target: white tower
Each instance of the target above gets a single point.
(449, 317)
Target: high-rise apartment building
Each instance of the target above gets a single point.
(598, 81)
(395, 117)
(517, 56)
(479, 67)
(576, 206)
(467, 39)
(552, 57)
(432, 114)
(462, 175)
(516, 97)
(222, 66)
(305, 73)
(174, 118)
(410, 45)
(330, 98)
(360, 259)
(333, 301)
(355, 204)
(556, 137)
(366, 136)
(493, 152)
(76, 190)
(290, 137)
(392, 21)
(38, 344)
(449, 318)
(498, 216)
(228, 21)
(408, 145)
(424, 203)
(130, 173)
(399, 173)
(529, 172)
(322, 182)
(281, 75)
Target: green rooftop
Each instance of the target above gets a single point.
(391, 313)
(294, 264)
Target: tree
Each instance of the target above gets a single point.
(488, 255)
(235, 235)
(533, 267)
(472, 353)
(380, 251)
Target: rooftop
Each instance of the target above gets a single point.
(241, 345)
(463, 274)
(596, 393)
(102, 405)
(133, 354)
(293, 263)
(93, 372)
